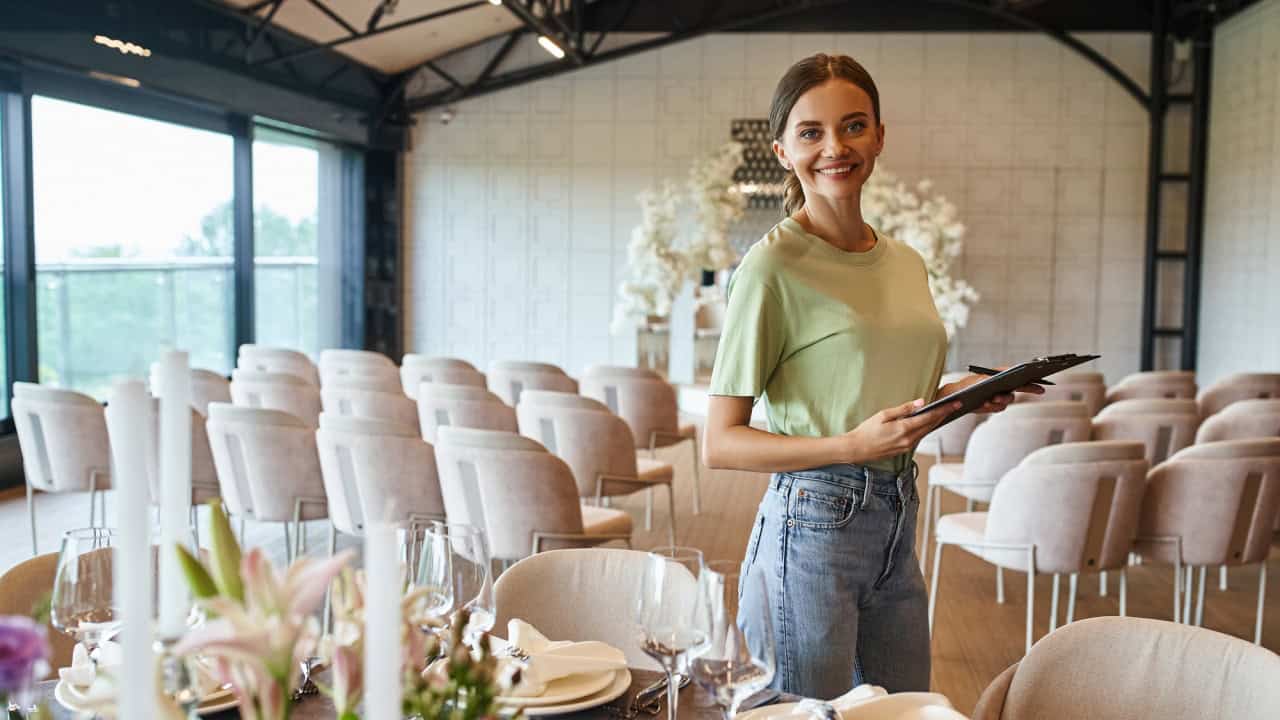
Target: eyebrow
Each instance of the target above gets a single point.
(850, 116)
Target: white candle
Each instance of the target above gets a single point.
(382, 652)
(175, 489)
(132, 570)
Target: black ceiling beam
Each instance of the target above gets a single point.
(377, 31)
(329, 13)
(442, 74)
(521, 11)
(376, 16)
(251, 9)
(261, 28)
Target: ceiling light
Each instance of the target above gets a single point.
(119, 79)
(495, 2)
(125, 48)
(550, 46)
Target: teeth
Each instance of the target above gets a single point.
(835, 171)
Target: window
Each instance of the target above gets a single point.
(4, 335)
(299, 218)
(133, 235)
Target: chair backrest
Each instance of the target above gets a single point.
(266, 460)
(261, 358)
(640, 397)
(376, 469)
(345, 359)
(1078, 503)
(1221, 498)
(412, 376)
(277, 391)
(1179, 384)
(507, 484)
(508, 379)
(22, 588)
(951, 439)
(208, 386)
(1071, 389)
(1234, 388)
(465, 406)
(435, 361)
(580, 431)
(1127, 667)
(1162, 425)
(1000, 443)
(363, 377)
(63, 438)
(204, 476)
(1242, 420)
(1079, 377)
(392, 406)
(580, 594)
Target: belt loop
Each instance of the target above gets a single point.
(866, 488)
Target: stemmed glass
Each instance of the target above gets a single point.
(671, 613)
(430, 571)
(730, 667)
(84, 603)
(458, 555)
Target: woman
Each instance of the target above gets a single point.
(833, 324)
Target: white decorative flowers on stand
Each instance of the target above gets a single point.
(658, 268)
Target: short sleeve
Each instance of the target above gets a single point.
(751, 340)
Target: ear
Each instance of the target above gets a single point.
(879, 138)
(781, 154)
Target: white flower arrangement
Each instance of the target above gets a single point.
(658, 267)
(927, 223)
(718, 203)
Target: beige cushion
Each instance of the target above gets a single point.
(365, 426)
(968, 527)
(654, 471)
(605, 521)
(226, 412)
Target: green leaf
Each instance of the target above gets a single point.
(225, 554)
(202, 586)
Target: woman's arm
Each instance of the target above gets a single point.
(729, 441)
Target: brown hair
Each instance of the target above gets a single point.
(805, 74)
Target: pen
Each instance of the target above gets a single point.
(979, 370)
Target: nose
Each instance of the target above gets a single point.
(834, 146)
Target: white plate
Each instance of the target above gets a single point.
(621, 681)
(563, 690)
(214, 702)
(872, 708)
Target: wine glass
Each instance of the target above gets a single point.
(84, 603)
(671, 613)
(730, 666)
(467, 551)
(430, 570)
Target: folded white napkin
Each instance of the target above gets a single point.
(543, 660)
(89, 683)
(872, 702)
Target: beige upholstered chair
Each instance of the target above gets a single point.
(344, 399)
(206, 386)
(340, 359)
(648, 404)
(277, 391)
(1085, 387)
(1162, 425)
(63, 438)
(1180, 384)
(1210, 505)
(508, 379)
(586, 594)
(1065, 509)
(1112, 668)
(25, 586)
(996, 446)
(596, 444)
(948, 443)
(260, 358)
(523, 496)
(381, 378)
(268, 467)
(1242, 420)
(376, 469)
(418, 369)
(462, 406)
(1234, 388)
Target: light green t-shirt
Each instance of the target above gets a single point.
(829, 337)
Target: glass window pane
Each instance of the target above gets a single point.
(294, 242)
(133, 244)
(4, 335)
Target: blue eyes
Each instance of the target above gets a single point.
(854, 128)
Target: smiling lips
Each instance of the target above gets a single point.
(839, 171)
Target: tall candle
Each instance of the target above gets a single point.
(382, 651)
(175, 489)
(132, 569)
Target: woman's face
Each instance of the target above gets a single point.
(831, 140)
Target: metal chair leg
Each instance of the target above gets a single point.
(1200, 597)
(697, 477)
(1072, 582)
(671, 513)
(288, 545)
(1124, 586)
(1053, 603)
(242, 531)
(1222, 578)
(1102, 584)
(1031, 594)
(1177, 593)
(31, 518)
(969, 505)
(933, 584)
(999, 584)
(325, 619)
(648, 509)
(1262, 596)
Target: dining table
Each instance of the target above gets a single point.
(695, 704)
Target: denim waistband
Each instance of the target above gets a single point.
(858, 477)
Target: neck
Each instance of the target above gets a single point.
(840, 225)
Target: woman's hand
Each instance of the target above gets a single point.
(997, 402)
(890, 432)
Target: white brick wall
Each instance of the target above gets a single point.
(1240, 294)
(519, 211)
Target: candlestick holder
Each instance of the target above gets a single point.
(177, 681)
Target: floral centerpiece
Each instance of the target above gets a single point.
(24, 654)
(927, 223)
(717, 202)
(658, 267)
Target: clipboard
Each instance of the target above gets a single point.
(977, 395)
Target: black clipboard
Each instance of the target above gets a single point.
(977, 395)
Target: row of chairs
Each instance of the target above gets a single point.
(1090, 388)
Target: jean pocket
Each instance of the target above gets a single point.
(821, 510)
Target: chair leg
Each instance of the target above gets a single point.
(1200, 597)
(999, 585)
(1222, 578)
(194, 517)
(1102, 584)
(1053, 603)
(1262, 596)
(1072, 582)
(328, 593)
(933, 583)
(1124, 586)
(1188, 585)
(1177, 593)
(969, 505)
(31, 518)
(648, 509)
(924, 528)
(671, 513)
(288, 545)
(1031, 594)
(697, 477)
(242, 531)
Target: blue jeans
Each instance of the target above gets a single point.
(844, 589)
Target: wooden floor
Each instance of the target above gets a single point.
(975, 638)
